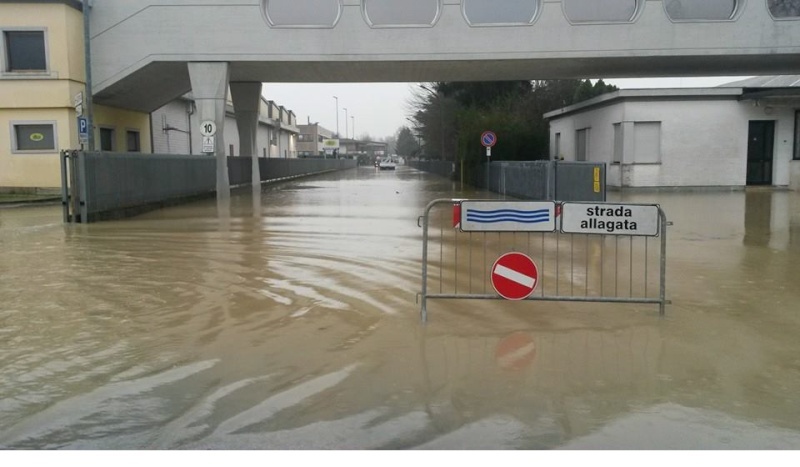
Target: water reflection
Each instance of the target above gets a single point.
(293, 324)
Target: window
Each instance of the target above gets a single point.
(486, 12)
(784, 8)
(133, 141)
(588, 11)
(24, 51)
(388, 13)
(618, 143)
(557, 147)
(582, 145)
(107, 139)
(647, 142)
(796, 135)
(302, 13)
(34, 137)
(709, 10)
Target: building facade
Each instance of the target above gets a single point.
(176, 130)
(310, 141)
(41, 80)
(712, 137)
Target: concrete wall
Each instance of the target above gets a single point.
(171, 128)
(703, 142)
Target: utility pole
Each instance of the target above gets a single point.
(337, 116)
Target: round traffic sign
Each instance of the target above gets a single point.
(514, 276)
(208, 128)
(488, 139)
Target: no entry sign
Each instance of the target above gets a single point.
(514, 276)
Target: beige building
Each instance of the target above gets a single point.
(310, 141)
(42, 71)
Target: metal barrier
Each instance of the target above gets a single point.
(578, 267)
(545, 180)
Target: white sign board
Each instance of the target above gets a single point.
(508, 216)
(330, 144)
(77, 102)
(208, 144)
(208, 128)
(610, 219)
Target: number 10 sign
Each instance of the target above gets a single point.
(208, 128)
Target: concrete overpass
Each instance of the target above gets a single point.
(141, 48)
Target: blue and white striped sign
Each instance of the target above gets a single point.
(508, 216)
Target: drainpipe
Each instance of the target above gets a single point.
(87, 52)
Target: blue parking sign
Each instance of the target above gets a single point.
(83, 129)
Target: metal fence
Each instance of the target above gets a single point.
(443, 168)
(572, 267)
(545, 180)
(97, 186)
(532, 180)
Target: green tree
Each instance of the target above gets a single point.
(450, 117)
(406, 143)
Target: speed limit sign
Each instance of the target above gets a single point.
(208, 128)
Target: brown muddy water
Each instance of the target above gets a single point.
(292, 324)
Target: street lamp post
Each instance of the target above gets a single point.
(345, 123)
(337, 116)
(353, 119)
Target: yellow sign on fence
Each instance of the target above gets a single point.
(597, 179)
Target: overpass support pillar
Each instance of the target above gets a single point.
(210, 91)
(246, 103)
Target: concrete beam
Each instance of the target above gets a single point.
(209, 89)
(246, 103)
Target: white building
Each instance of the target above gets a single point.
(176, 130)
(743, 133)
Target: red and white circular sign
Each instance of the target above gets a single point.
(515, 352)
(515, 276)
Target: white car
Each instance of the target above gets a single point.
(387, 164)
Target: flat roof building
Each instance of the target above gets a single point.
(739, 134)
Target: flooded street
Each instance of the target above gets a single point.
(293, 324)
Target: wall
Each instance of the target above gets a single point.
(41, 96)
(174, 115)
(703, 142)
(36, 170)
(121, 121)
(601, 133)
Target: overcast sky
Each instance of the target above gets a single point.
(380, 109)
